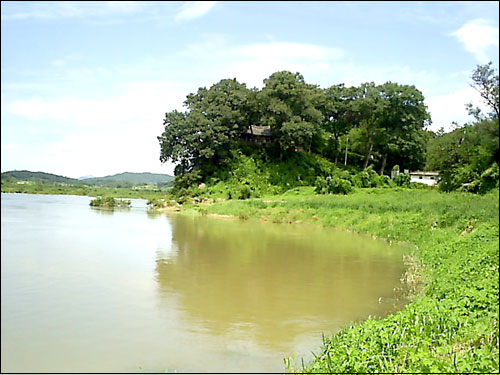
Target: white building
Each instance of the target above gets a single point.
(428, 178)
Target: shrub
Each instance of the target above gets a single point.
(109, 202)
(366, 178)
(402, 179)
(187, 180)
(332, 185)
(385, 181)
(489, 179)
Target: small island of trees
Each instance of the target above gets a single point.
(110, 203)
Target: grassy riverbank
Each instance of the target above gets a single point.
(91, 191)
(452, 323)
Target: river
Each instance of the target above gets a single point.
(87, 290)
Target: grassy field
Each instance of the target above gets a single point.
(452, 323)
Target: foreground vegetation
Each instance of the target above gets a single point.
(452, 323)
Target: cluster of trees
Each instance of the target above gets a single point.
(378, 125)
(368, 125)
(467, 158)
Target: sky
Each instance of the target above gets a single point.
(85, 85)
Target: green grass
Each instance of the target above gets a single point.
(452, 323)
(92, 191)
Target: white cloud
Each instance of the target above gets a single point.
(142, 101)
(478, 36)
(215, 57)
(11, 146)
(447, 108)
(99, 137)
(194, 9)
(61, 62)
(106, 152)
(71, 9)
(252, 63)
(289, 50)
(125, 6)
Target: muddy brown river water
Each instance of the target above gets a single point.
(86, 290)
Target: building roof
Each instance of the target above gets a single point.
(424, 173)
(263, 131)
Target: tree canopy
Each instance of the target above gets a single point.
(467, 158)
(378, 125)
(203, 136)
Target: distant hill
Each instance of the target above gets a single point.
(130, 178)
(39, 177)
(85, 177)
(121, 180)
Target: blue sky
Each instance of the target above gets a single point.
(85, 85)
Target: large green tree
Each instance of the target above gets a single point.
(338, 117)
(388, 125)
(367, 108)
(201, 138)
(291, 109)
(403, 118)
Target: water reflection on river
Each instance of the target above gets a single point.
(85, 290)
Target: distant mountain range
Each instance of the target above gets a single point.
(118, 180)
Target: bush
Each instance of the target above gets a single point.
(332, 185)
(385, 181)
(187, 180)
(239, 192)
(109, 202)
(402, 179)
(489, 179)
(366, 178)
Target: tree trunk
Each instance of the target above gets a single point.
(368, 154)
(336, 150)
(347, 144)
(383, 164)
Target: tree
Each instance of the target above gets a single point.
(291, 110)
(202, 137)
(388, 125)
(485, 82)
(383, 125)
(404, 117)
(462, 155)
(338, 116)
(367, 109)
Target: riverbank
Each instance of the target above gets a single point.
(452, 324)
(91, 191)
